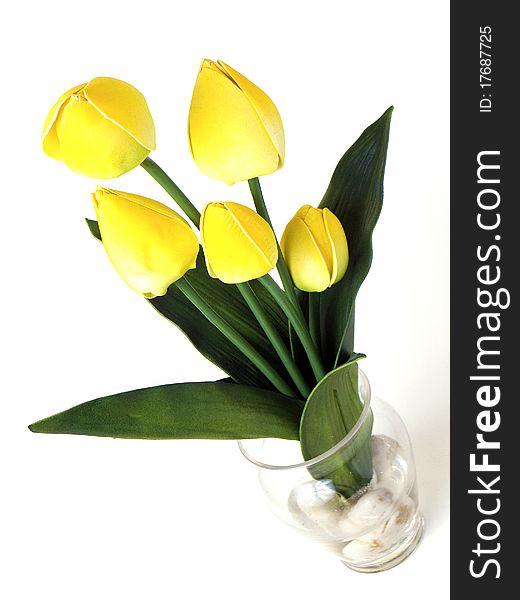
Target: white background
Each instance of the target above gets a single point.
(101, 518)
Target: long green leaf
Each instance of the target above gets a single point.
(355, 196)
(229, 302)
(208, 410)
(331, 412)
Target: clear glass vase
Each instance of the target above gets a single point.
(372, 530)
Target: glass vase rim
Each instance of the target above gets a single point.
(363, 381)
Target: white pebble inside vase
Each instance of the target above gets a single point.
(373, 520)
(372, 530)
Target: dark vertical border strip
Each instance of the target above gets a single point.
(485, 270)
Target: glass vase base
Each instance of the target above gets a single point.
(371, 529)
(396, 556)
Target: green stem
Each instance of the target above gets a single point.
(349, 335)
(261, 209)
(274, 337)
(235, 338)
(298, 322)
(314, 325)
(172, 189)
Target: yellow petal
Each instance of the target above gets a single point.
(50, 142)
(313, 218)
(125, 106)
(303, 257)
(227, 138)
(256, 229)
(94, 146)
(212, 65)
(150, 245)
(238, 247)
(264, 106)
(339, 245)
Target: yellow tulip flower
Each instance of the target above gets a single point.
(315, 249)
(235, 130)
(100, 129)
(149, 244)
(238, 244)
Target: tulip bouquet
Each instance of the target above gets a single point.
(287, 350)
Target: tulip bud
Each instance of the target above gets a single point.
(238, 244)
(100, 129)
(235, 130)
(149, 244)
(315, 249)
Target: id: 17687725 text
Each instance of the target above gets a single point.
(485, 69)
